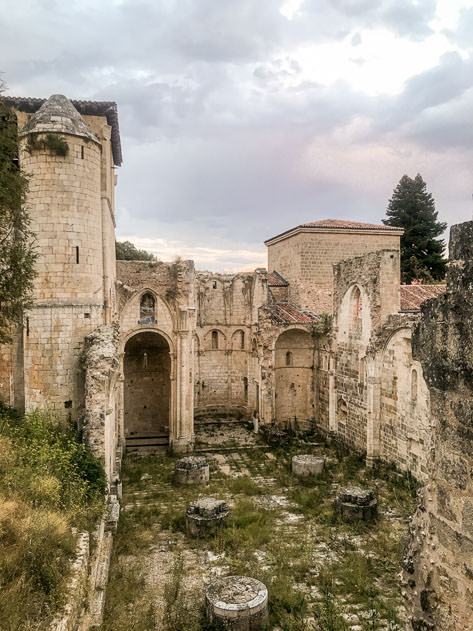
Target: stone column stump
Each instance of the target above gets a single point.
(306, 464)
(238, 603)
(354, 503)
(205, 515)
(191, 470)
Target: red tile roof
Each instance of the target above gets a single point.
(412, 296)
(337, 224)
(288, 313)
(276, 280)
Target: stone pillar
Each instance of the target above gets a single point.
(332, 398)
(183, 436)
(373, 409)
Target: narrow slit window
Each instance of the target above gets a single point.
(82, 152)
(27, 327)
(77, 255)
(414, 385)
(288, 358)
(214, 340)
(242, 341)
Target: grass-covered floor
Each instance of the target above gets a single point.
(321, 574)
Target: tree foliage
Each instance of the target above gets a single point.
(413, 209)
(127, 251)
(17, 254)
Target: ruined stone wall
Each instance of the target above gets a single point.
(405, 431)
(101, 365)
(226, 370)
(438, 565)
(380, 402)
(306, 260)
(172, 288)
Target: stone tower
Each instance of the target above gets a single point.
(71, 207)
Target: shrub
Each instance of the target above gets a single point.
(49, 482)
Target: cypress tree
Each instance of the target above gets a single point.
(17, 255)
(412, 208)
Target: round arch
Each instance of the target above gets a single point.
(147, 370)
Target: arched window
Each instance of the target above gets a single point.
(147, 305)
(254, 347)
(214, 340)
(288, 358)
(414, 385)
(242, 334)
(356, 310)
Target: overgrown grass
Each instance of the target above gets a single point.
(49, 482)
(320, 572)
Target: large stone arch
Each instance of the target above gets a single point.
(148, 387)
(294, 378)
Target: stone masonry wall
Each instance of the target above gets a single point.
(227, 308)
(438, 565)
(306, 260)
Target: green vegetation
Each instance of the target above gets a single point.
(54, 143)
(322, 574)
(17, 255)
(127, 251)
(422, 252)
(49, 483)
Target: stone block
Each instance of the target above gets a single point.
(354, 503)
(239, 603)
(191, 470)
(307, 464)
(205, 515)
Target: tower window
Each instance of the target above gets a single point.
(214, 340)
(414, 385)
(77, 254)
(82, 152)
(242, 341)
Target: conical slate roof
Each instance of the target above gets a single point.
(58, 115)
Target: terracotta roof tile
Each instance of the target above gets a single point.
(276, 280)
(412, 296)
(287, 313)
(342, 225)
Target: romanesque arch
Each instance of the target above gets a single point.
(147, 387)
(294, 378)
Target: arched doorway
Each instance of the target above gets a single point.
(147, 389)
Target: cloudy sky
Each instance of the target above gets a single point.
(242, 118)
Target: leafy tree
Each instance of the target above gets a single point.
(413, 209)
(127, 251)
(17, 253)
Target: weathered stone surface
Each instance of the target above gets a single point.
(239, 603)
(307, 464)
(205, 515)
(191, 470)
(354, 503)
(438, 572)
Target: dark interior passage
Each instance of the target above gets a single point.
(147, 368)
